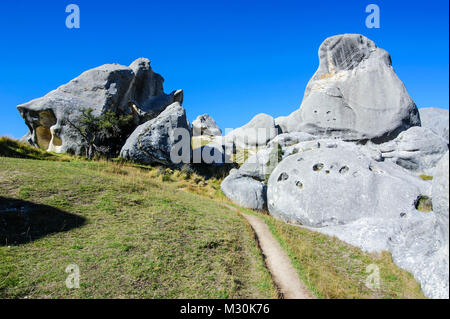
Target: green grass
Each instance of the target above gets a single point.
(150, 232)
(334, 269)
(141, 237)
(14, 148)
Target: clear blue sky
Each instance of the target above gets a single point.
(233, 59)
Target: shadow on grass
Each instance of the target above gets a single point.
(22, 222)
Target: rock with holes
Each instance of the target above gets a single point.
(164, 140)
(257, 133)
(436, 120)
(338, 184)
(205, 125)
(244, 190)
(440, 194)
(417, 149)
(355, 94)
(133, 90)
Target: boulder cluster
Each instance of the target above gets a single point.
(357, 160)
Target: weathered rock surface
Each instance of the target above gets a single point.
(282, 124)
(125, 90)
(332, 186)
(436, 120)
(440, 194)
(417, 149)
(155, 140)
(260, 130)
(244, 190)
(205, 125)
(355, 94)
(258, 165)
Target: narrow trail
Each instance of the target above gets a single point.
(283, 273)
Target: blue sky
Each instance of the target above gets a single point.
(233, 59)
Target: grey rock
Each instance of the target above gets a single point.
(340, 184)
(289, 139)
(436, 120)
(133, 90)
(244, 190)
(417, 149)
(355, 94)
(205, 125)
(260, 130)
(282, 124)
(440, 194)
(258, 165)
(153, 141)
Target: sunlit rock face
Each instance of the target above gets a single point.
(355, 94)
(124, 90)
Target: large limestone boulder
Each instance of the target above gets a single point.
(440, 193)
(244, 190)
(436, 120)
(260, 130)
(355, 94)
(417, 149)
(164, 140)
(205, 125)
(264, 161)
(337, 184)
(133, 90)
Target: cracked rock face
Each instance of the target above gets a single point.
(417, 149)
(154, 141)
(133, 90)
(355, 94)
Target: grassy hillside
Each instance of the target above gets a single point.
(151, 232)
(133, 233)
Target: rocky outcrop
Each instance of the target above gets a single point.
(260, 130)
(436, 120)
(164, 140)
(417, 149)
(338, 183)
(355, 94)
(440, 192)
(244, 190)
(124, 90)
(205, 125)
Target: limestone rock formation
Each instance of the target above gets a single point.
(355, 94)
(340, 184)
(440, 193)
(417, 149)
(282, 124)
(155, 140)
(436, 120)
(205, 125)
(133, 90)
(260, 130)
(244, 190)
